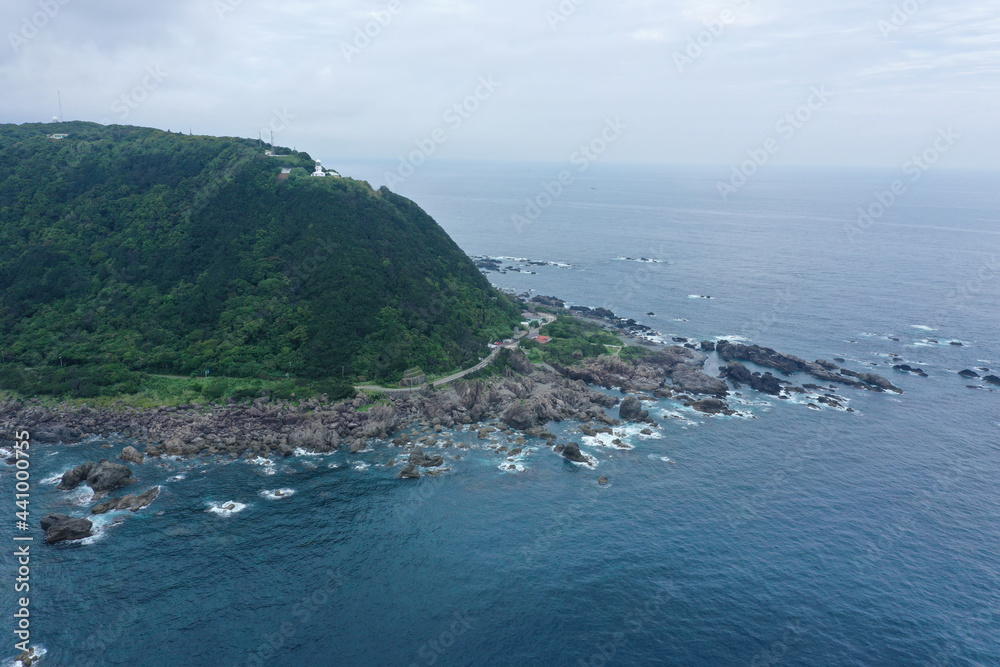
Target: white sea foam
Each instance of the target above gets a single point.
(81, 495)
(55, 479)
(228, 508)
(40, 652)
(698, 296)
(298, 451)
(591, 461)
(665, 459)
(277, 494)
(923, 327)
(179, 477)
(512, 465)
(267, 465)
(102, 523)
(360, 466)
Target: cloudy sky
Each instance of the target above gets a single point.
(693, 82)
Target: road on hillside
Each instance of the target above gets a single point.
(513, 345)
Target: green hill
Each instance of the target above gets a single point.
(173, 254)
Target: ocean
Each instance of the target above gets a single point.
(783, 535)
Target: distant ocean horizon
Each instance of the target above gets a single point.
(783, 535)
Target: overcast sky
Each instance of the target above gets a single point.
(881, 82)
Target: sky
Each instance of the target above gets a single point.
(808, 82)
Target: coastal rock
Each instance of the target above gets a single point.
(106, 476)
(692, 380)
(61, 527)
(711, 406)
(968, 374)
(520, 415)
(572, 452)
(130, 502)
(736, 372)
(603, 479)
(708, 346)
(872, 379)
(409, 472)
(73, 478)
(419, 458)
(53, 433)
(991, 379)
(765, 383)
(631, 410)
(131, 455)
(314, 437)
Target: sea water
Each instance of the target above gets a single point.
(781, 535)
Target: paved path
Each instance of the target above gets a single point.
(513, 345)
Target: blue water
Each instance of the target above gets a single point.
(784, 536)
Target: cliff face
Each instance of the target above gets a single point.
(173, 253)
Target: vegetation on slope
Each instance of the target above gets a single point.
(173, 254)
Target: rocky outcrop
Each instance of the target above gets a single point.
(631, 410)
(968, 374)
(51, 433)
(872, 379)
(409, 472)
(133, 503)
(711, 406)
(692, 380)
(103, 477)
(991, 379)
(573, 453)
(788, 364)
(62, 527)
(419, 458)
(131, 455)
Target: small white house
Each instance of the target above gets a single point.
(58, 136)
(319, 173)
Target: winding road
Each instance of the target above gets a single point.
(513, 345)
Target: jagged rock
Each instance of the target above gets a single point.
(520, 415)
(419, 458)
(106, 476)
(991, 379)
(693, 380)
(873, 380)
(131, 455)
(409, 472)
(736, 372)
(61, 527)
(603, 479)
(73, 478)
(133, 503)
(631, 410)
(711, 406)
(53, 433)
(572, 452)
(765, 383)
(708, 346)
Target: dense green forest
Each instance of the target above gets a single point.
(166, 253)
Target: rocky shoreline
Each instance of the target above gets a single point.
(523, 401)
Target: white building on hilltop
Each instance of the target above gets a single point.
(319, 173)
